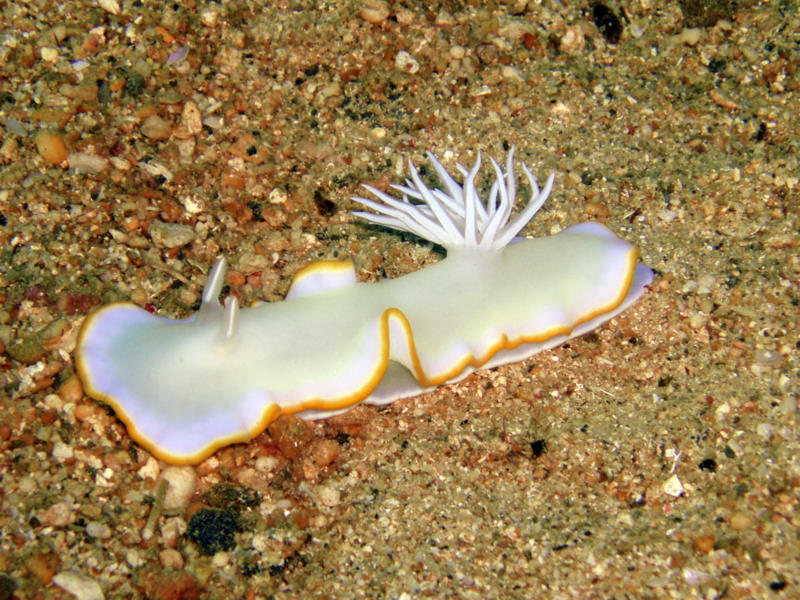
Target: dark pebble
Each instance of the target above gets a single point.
(538, 447)
(607, 22)
(7, 587)
(134, 85)
(708, 464)
(213, 530)
(324, 206)
(777, 586)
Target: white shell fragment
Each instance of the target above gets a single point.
(187, 387)
(673, 487)
(111, 6)
(79, 586)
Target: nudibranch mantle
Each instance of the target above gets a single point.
(185, 388)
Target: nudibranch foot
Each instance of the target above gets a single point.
(187, 387)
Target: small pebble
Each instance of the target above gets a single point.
(251, 478)
(457, 52)
(220, 559)
(328, 94)
(26, 350)
(188, 297)
(171, 558)
(374, 11)
(49, 54)
(267, 464)
(405, 62)
(165, 584)
(15, 127)
(139, 296)
(235, 279)
(213, 121)
(690, 36)
(150, 470)
(193, 204)
(42, 565)
(703, 544)
(182, 483)
(740, 521)
(9, 150)
(86, 92)
(698, 320)
(156, 128)
(228, 59)
(27, 485)
(71, 390)
(62, 451)
(596, 210)
(60, 514)
(328, 496)
(170, 235)
(290, 434)
(404, 16)
(444, 19)
(51, 147)
(705, 283)
(487, 53)
(87, 163)
(572, 41)
(277, 196)
(134, 558)
(209, 16)
(98, 530)
(318, 455)
(191, 119)
(677, 560)
(250, 262)
(172, 529)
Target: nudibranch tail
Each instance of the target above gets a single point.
(457, 217)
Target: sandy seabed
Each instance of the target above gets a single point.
(653, 458)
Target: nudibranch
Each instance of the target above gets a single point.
(185, 388)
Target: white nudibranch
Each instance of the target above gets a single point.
(185, 388)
